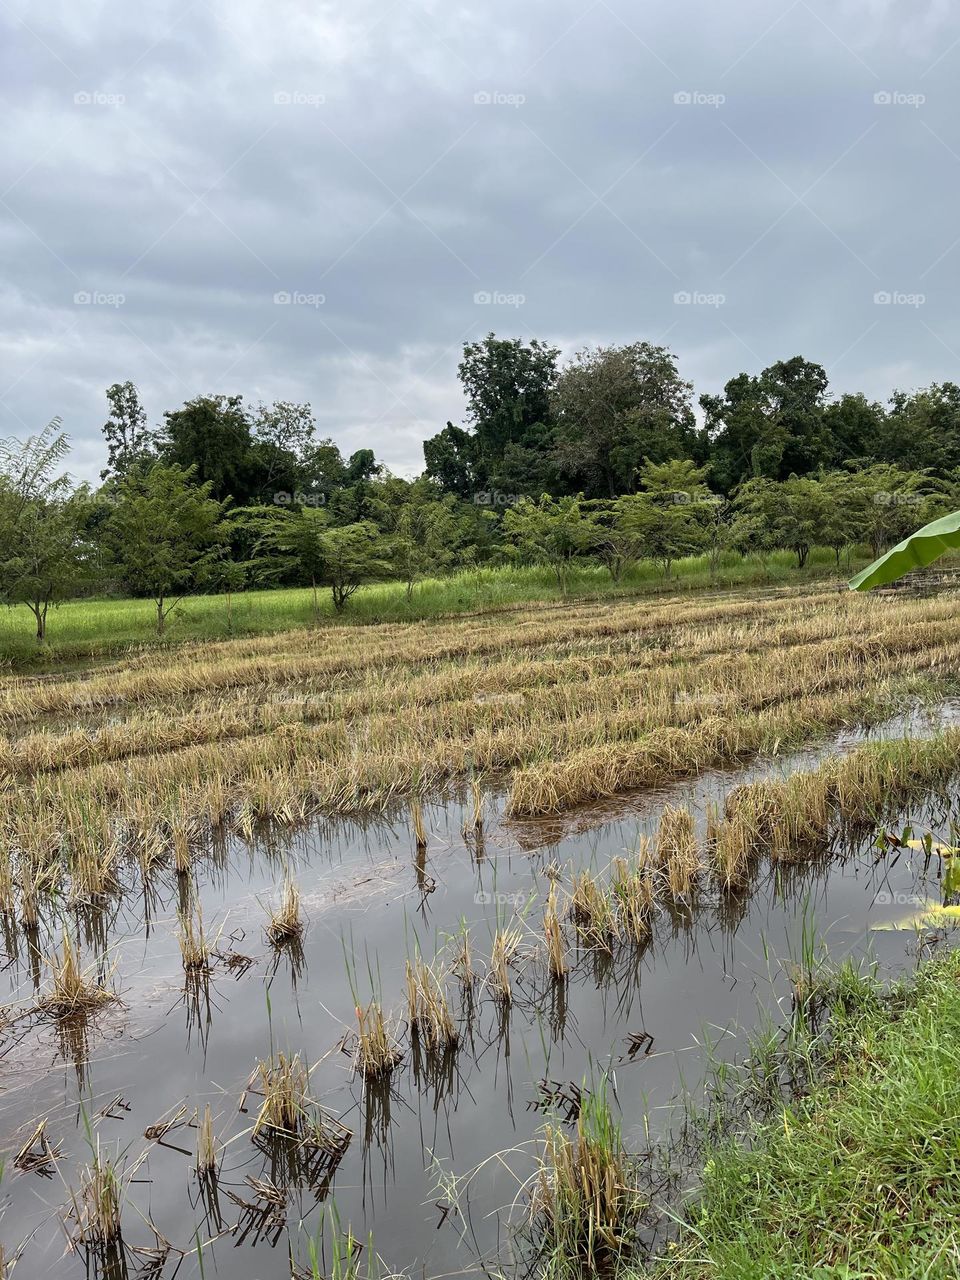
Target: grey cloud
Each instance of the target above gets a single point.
(576, 182)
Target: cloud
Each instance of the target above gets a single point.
(578, 166)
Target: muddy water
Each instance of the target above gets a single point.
(642, 1017)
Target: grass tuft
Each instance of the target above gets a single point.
(585, 1206)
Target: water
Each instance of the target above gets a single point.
(643, 1017)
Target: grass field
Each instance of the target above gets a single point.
(93, 628)
(860, 1177)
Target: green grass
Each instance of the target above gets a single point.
(84, 629)
(861, 1177)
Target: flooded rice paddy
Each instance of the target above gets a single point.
(432, 1160)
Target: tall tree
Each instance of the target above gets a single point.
(213, 435)
(616, 407)
(128, 440)
(282, 448)
(507, 383)
(452, 459)
(923, 429)
(857, 430)
(773, 425)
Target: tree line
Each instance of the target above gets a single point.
(599, 459)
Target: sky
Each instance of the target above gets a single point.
(300, 201)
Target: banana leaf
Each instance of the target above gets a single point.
(915, 552)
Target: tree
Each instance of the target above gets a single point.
(795, 514)
(615, 407)
(165, 534)
(507, 383)
(552, 531)
(212, 435)
(803, 515)
(614, 546)
(896, 501)
(352, 555)
(923, 429)
(773, 425)
(43, 553)
(296, 537)
(452, 459)
(845, 515)
(668, 519)
(424, 530)
(128, 440)
(857, 429)
(282, 448)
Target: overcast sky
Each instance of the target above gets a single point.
(741, 181)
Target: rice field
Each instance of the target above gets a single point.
(391, 947)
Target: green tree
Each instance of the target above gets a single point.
(897, 501)
(44, 555)
(615, 407)
(668, 519)
(283, 454)
(773, 425)
(844, 511)
(552, 531)
(452, 459)
(352, 554)
(213, 436)
(165, 535)
(129, 442)
(425, 530)
(923, 429)
(296, 538)
(507, 383)
(857, 429)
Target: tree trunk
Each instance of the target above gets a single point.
(39, 610)
(161, 617)
(316, 606)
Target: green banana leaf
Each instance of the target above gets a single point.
(915, 552)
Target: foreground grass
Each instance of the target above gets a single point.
(861, 1177)
(92, 628)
